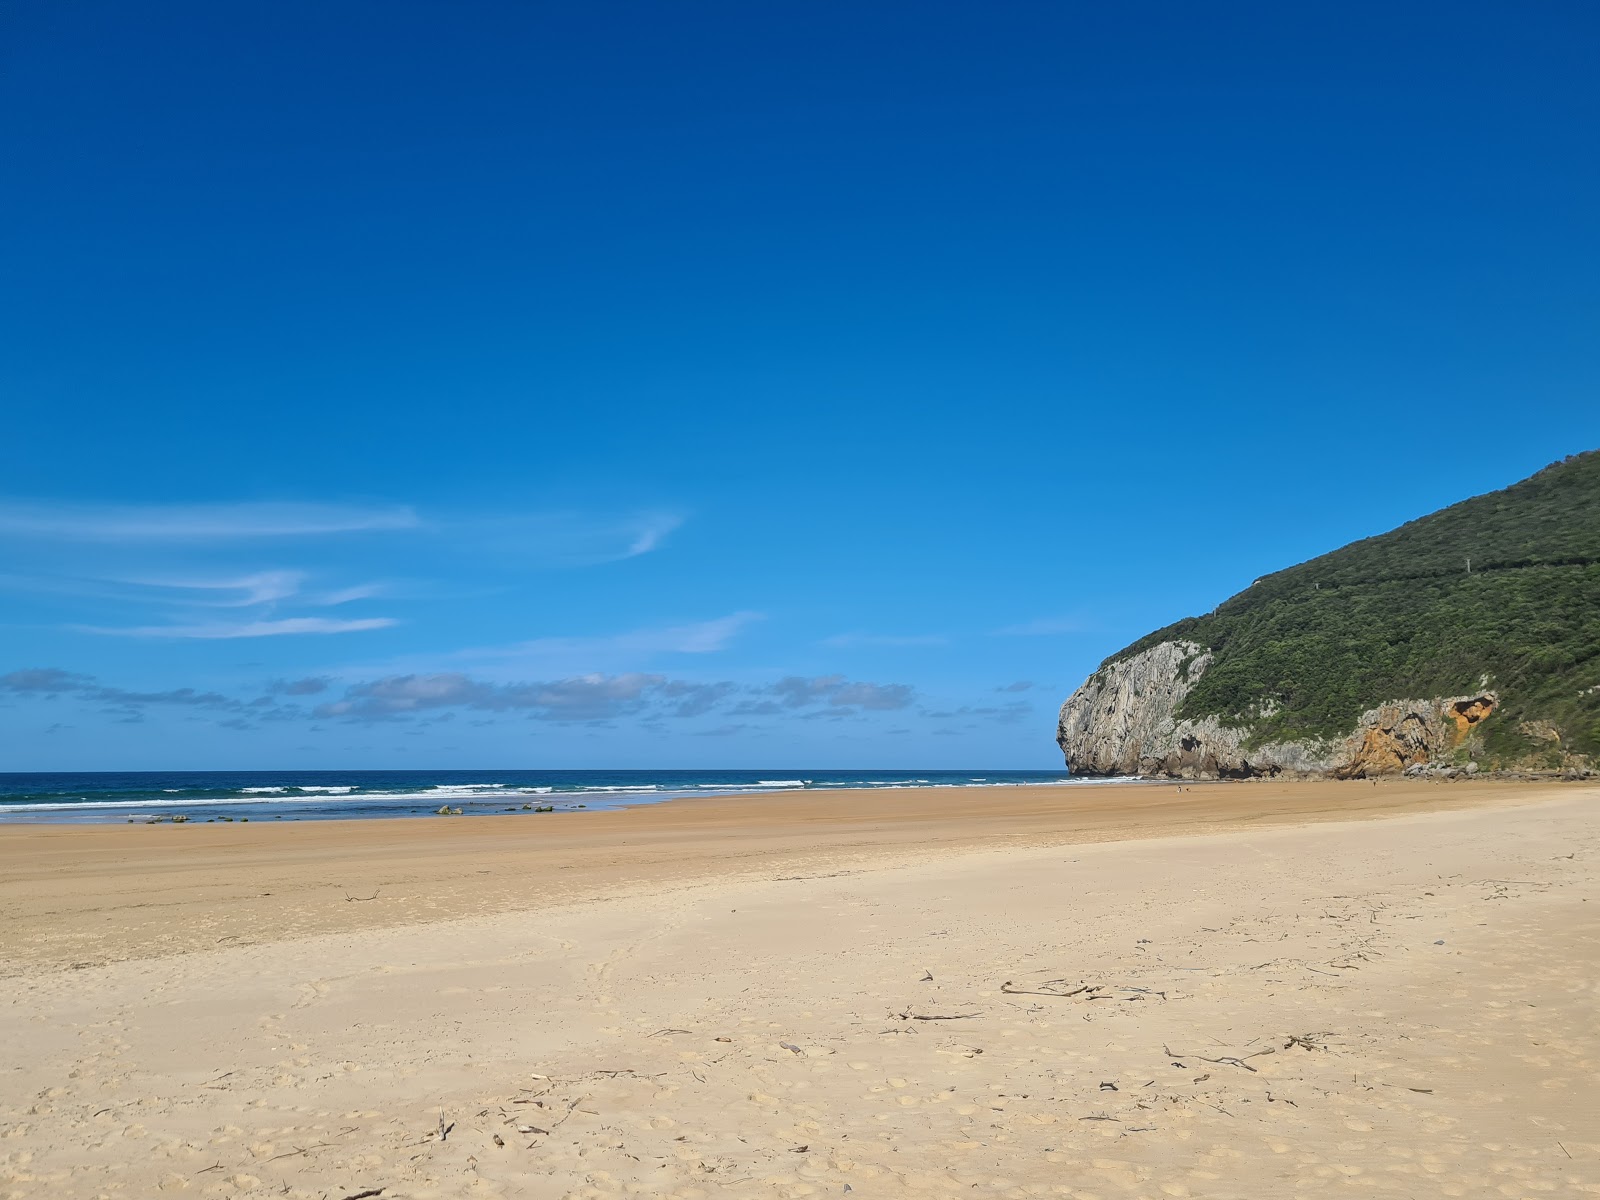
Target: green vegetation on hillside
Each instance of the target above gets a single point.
(1400, 616)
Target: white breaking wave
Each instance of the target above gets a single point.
(74, 806)
(275, 791)
(482, 793)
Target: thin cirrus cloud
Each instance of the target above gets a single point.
(568, 539)
(846, 641)
(698, 637)
(262, 587)
(694, 637)
(1045, 627)
(364, 591)
(185, 594)
(244, 591)
(196, 522)
(270, 600)
(214, 630)
(549, 539)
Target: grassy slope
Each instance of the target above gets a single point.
(1398, 616)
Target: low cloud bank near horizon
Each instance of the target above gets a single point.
(592, 697)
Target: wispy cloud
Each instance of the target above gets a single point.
(568, 539)
(1046, 626)
(262, 587)
(184, 594)
(151, 571)
(699, 637)
(652, 530)
(845, 641)
(195, 522)
(536, 539)
(244, 629)
(1020, 685)
(365, 591)
(692, 637)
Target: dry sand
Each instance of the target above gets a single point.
(1237, 990)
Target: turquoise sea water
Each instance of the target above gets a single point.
(328, 795)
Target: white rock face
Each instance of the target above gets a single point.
(1123, 721)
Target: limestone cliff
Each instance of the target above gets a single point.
(1125, 720)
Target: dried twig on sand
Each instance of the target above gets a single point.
(571, 1106)
(1227, 1060)
(1050, 987)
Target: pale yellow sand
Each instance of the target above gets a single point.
(701, 1004)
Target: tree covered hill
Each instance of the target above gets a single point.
(1501, 591)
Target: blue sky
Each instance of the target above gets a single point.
(517, 385)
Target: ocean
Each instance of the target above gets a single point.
(103, 796)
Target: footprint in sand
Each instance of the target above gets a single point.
(310, 993)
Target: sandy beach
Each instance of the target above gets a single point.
(1233, 990)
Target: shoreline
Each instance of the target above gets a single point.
(207, 796)
(485, 800)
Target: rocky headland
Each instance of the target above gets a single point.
(1466, 641)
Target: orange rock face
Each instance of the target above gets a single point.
(1467, 713)
(1389, 746)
